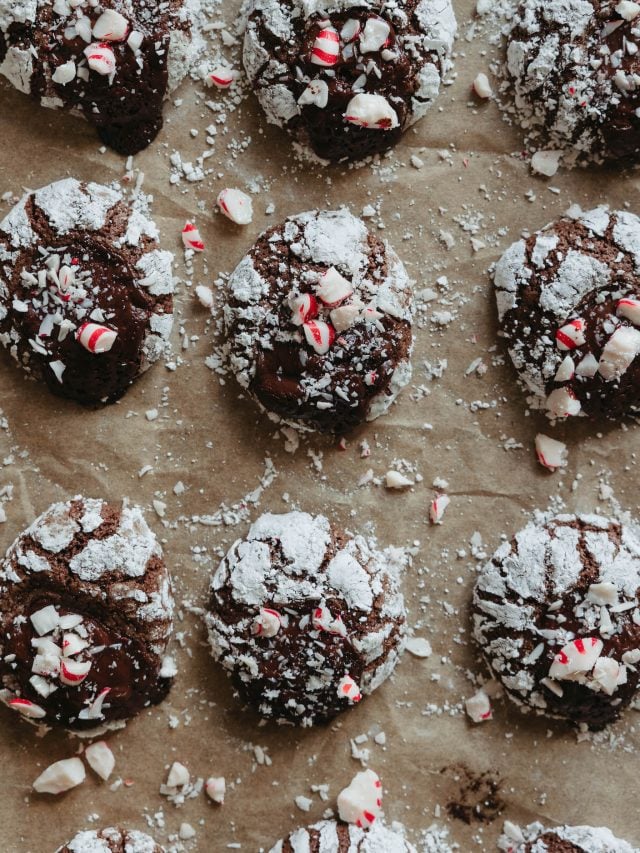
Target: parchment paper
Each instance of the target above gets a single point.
(457, 427)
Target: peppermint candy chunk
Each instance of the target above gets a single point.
(482, 86)
(319, 335)
(350, 31)
(111, 26)
(303, 308)
(267, 623)
(64, 73)
(619, 353)
(571, 336)
(628, 10)
(605, 593)
(45, 620)
(94, 710)
(322, 620)
(608, 674)
(60, 777)
(100, 759)
(101, 59)
(437, 508)
(96, 339)
(551, 453)
(333, 288)
(588, 367)
(236, 206)
(478, 707)
(27, 708)
(361, 801)
(371, 111)
(348, 689)
(73, 644)
(191, 238)
(74, 672)
(374, 36)
(223, 77)
(566, 370)
(576, 658)
(178, 776)
(344, 317)
(326, 47)
(316, 94)
(563, 403)
(215, 788)
(629, 309)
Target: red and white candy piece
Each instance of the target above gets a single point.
(361, 801)
(323, 620)
(619, 353)
(94, 710)
(437, 508)
(223, 77)
(111, 26)
(73, 672)
(478, 707)
(60, 777)
(326, 47)
(566, 370)
(72, 644)
(630, 310)
(608, 674)
(66, 278)
(348, 689)
(551, 453)
(316, 94)
(191, 238)
(333, 288)
(563, 403)
(46, 664)
(95, 338)
(267, 623)
(374, 36)
(27, 708)
(101, 59)
(350, 31)
(303, 308)
(319, 335)
(100, 759)
(571, 336)
(64, 73)
(371, 111)
(236, 206)
(577, 657)
(215, 788)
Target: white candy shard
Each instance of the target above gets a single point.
(419, 647)
(101, 59)
(267, 623)
(562, 403)
(608, 674)
(361, 801)
(94, 710)
(478, 707)
(350, 31)
(482, 86)
(27, 708)
(628, 10)
(215, 788)
(344, 317)
(204, 295)
(316, 94)
(45, 620)
(322, 620)
(576, 658)
(333, 288)
(546, 162)
(588, 367)
(46, 664)
(374, 36)
(619, 353)
(111, 26)
(371, 111)
(551, 453)
(72, 644)
(437, 508)
(603, 593)
(168, 668)
(566, 370)
(100, 759)
(236, 206)
(60, 777)
(64, 73)
(396, 480)
(178, 775)
(630, 310)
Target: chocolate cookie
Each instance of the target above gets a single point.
(111, 840)
(569, 306)
(305, 619)
(348, 83)
(574, 65)
(85, 616)
(113, 61)
(86, 296)
(319, 322)
(331, 836)
(563, 839)
(557, 617)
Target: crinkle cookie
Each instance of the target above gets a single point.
(86, 295)
(575, 70)
(112, 61)
(569, 306)
(348, 77)
(557, 617)
(318, 321)
(86, 613)
(331, 836)
(562, 839)
(111, 840)
(305, 619)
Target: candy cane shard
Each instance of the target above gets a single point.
(563, 403)
(326, 47)
(100, 759)
(316, 94)
(371, 111)
(94, 710)
(191, 238)
(478, 707)
(101, 59)
(60, 777)
(619, 353)
(319, 335)
(551, 453)
(629, 308)
(304, 307)
(267, 623)
(111, 26)
(374, 36)
(348, 689)
(576, 658)
(223, 77)
(437, 508)
(571, 336)
(215, 788)
(323, 620)
(333, 288)
(361, 802)
(27, 708)
(236, 206)
(95, 338)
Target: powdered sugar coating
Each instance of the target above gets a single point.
(590, 839)
(330, 836)
(578, 267)
(538, 593)
(293, 564)
(111, 840)
(324, 392)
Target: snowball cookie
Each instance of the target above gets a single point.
(563, 839)
(86, 295)
(574, 67)
(569, 306)
(557, 616)
(305, 619)
(319, 322)
(85, 616)
(347, 77)
(113, 61)
(111, 840)
(331, 836)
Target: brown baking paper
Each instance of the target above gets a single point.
(471, 430)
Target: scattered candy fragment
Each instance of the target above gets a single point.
(236, 206)
(546, 163)
(361, 801)
(326, 47)
(374, 36)
(95, 338)
(27, 708)
(178, 775)
(191, 238)
(94, 709)
(628, 10)
(576, 657)
(319, 335)
(100, 58)
(371, 111)
(111, 26)
(588, 367)
(566, 370)
(571, 336)
(551, 453)
(478, 707)
(215, 788)
(437, 508)
(74, 672)
(396, 480)
(100, 759)
(45, 620)
(316, 94)
(204, 295)
(482, 86)
(60, 777)
(333, 288)
(304, 307)
(419, 647)
(322, 620)
(630, 310)
(605, 593)
(267, 623)
(348, 689)
(64, 73)
(562, 403)
(223, 77)
(344, 317)
(608, 674)
(619, 353)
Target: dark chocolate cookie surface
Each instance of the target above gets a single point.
(305, 620)
(348, 82)
(113, 61)
(331, 836)
(86, 614)
(319, 322)
(86, 295)
(111, 840)
(557, 617)
(562, 839)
